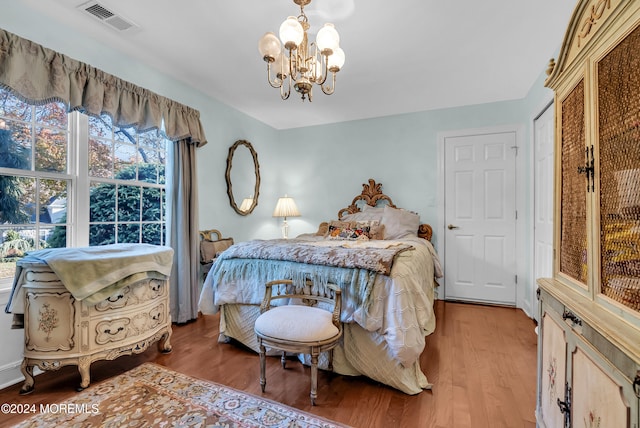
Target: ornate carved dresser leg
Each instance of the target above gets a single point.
(164, 345)
(27, 372)
(84, 364)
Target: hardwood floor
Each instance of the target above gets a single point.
(481, 361)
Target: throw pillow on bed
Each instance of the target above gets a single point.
(348, 233)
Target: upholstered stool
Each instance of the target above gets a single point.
(301, 326)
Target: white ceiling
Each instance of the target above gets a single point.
(401, 56)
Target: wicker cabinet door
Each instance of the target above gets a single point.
(573, 188)
(619, 171)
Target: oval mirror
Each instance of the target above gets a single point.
(243, 171)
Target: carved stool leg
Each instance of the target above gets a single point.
(27, 372)
(314, 377)
(283, 360)
(263, 361)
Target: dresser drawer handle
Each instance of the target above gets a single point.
(108, 331)
(573, 317)
(118, 297)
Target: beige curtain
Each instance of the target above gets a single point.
(39, 75)
(182, 231)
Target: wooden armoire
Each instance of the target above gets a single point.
(589, 336)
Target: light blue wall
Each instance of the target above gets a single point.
(222, 124)
(322, 167)
(326, 165)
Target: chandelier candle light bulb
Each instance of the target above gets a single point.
(298, 63)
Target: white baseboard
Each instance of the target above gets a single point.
(10, 374)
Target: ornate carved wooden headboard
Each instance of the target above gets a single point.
(372, 195)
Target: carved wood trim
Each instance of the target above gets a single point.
(372, 194)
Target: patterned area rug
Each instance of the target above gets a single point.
(153, 396)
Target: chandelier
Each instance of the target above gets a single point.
(299, 64)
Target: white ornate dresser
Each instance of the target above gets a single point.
(61, 330)
(589, 341)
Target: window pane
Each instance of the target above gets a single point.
(53, 201)
(102, 234)
(126, 135)
(53, 115)
(17, 198)
(151, 234)
(13, 108)
(151, 204)
(14, 243)
(100, 158)
(125, 161)
(51, 150)
(102, 202)
(15, 146)
(128, 203)
(129, 233)
(55, 237)
(100, 126)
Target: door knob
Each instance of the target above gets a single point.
(452, 227)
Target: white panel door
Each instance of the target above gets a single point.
(480, 218)
(543, 199)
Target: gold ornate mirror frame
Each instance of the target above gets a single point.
(256, 167)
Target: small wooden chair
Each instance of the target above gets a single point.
(210, 247)
(300, 326)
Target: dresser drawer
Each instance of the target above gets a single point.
(126, 327)
(130, 297)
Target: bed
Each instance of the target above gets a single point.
(382, 259)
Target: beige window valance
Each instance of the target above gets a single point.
(40, 75)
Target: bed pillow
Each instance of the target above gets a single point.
(323, 229)
(372, 214)
(399, 223)
(209, 250)
(376, 232)
(349, 233)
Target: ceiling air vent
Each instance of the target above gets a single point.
(106, 16)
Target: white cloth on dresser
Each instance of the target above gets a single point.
(94, 273)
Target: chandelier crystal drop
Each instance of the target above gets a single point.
(295, 62)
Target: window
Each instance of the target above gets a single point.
(72, 180)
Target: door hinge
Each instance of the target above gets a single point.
(516, 214)
(565, 406)
(516, 149)
(516, 279)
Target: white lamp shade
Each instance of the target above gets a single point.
(328, 38)
(286, 207)
(291, 31)
(269, 45)
(336, 60)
